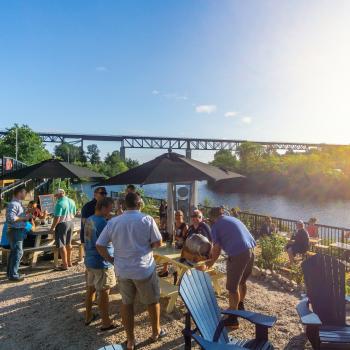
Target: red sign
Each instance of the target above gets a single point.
(8, 164)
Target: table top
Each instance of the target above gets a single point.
(166, 251)
(340, 245)
(45, 229)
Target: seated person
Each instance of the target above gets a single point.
(312, 229)
(198, 226)
(267, 228)
(234, 213)
(36, 213)
(299, 243)
(180, 236)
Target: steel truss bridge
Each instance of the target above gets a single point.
(172, 143)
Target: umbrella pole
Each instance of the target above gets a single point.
(170, 210)
(194, 196)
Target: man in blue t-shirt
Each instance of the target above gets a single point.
(100, 272)
(233, 237)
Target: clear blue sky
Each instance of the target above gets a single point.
(258, 70)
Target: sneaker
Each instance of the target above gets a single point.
(241, 306)
(16, 279)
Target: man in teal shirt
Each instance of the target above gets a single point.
(63, 226)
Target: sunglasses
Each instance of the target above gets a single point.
(103, 193)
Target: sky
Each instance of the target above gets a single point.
(261, 70)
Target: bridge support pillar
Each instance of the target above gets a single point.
(188, 153)
(122, 153)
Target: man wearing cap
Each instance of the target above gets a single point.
(63, 226)
(232, 236)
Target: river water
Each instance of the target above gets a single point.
(331, 212)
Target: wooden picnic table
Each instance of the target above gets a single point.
(169, 254)
(48, 244)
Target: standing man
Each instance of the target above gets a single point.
(62, 227)
(100, 272)
(133, 236)
(231, 235)
(89, 208)
(16, 222)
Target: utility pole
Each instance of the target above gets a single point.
(16, 143)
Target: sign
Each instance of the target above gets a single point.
(47, 202)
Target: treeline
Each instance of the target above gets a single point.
(318, 174)
(32, 150)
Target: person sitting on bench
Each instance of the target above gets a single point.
(299, 243)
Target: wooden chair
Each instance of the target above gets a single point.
(198, 295)
(324, 278)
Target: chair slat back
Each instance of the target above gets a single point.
(198, 295)
(325, 283)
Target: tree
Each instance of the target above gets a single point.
(225, 159)
(114, 163)
(93, 154)
(70, 153)
(131, 163)
(31, 149)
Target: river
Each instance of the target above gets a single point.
(332, 212)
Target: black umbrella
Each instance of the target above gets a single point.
(171, 168)
(52, 169)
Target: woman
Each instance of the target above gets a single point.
(180, 236)
(312, 229)
(267, 228)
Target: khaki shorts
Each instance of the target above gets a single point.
(238, 269)
(147, 289)
(101, 279)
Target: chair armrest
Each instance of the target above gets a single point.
(208, 345)
(307, 317)
(347, 298)
(253, 317)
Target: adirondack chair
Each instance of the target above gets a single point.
(324, 278)
(198, 295)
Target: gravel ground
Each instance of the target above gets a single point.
(46, 311)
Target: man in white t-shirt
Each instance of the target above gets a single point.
(133, 236)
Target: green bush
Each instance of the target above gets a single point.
(272, 248)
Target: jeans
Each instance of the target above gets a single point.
(15, 238)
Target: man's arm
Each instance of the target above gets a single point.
(102, 250)
(156, 237)
(55, 222)
(215, 253)
(11, 215)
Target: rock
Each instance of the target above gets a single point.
(256, 272)
(275, 284)
(268, 272)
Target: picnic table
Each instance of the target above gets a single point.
(169, 254)
(46, 244)
(345, 247)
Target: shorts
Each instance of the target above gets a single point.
(238, 269)
(296, 248)
(147, 289)
(100, 279)
(63, 234)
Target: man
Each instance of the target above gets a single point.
(198, 226)
(299, 243)
(89, 208)
(100, 272)
(232, 236)
(133, 236)
(16, 222)
(62, 227)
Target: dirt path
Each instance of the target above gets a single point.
(46, 312)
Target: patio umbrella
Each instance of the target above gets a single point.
(52, 169)
(170, 168)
